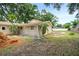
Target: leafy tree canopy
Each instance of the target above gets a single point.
(20, 12)
(72, 7)
(67, 25)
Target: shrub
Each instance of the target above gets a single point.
(43, 27)
(14, 29)
(69, 29)
(71, 33)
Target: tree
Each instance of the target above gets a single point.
(47, 16)
(59, 25)
(67, 25)
(21, 12)
(74, 23)
(26, 12)
(43, 27)
(14, 12)
(55, 5)
(54, 22)
(11, 17)
(14, 29)
(72, 7)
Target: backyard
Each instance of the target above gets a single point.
(57, 43)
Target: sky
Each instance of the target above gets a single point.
(62, 14)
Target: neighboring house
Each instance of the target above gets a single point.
(30, 29)
(76, 29)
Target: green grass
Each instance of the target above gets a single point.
(66, 35)
(66, 44)
(27, 38)
(7, 50)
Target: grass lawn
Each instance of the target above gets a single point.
(64, 45)
(57, 43)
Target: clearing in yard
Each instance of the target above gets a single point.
(56, 43)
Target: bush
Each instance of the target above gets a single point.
(69, 29)
(43, 27)
(14, 29)
(71, 33)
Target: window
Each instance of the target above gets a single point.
(3, 28)
(32, 27)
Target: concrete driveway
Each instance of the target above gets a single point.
(59, 29)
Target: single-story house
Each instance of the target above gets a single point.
(76, 29)
(31, 28)
(4, 27)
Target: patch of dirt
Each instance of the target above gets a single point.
(3, 39)
(10, 40)
(15, 41)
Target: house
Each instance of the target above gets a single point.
(4, 27)
(31, 28)
(76, 29)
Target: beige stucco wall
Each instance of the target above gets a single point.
(24, 31)
(76, 29)
(6, 31)
(49, 30)
(28, 31)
